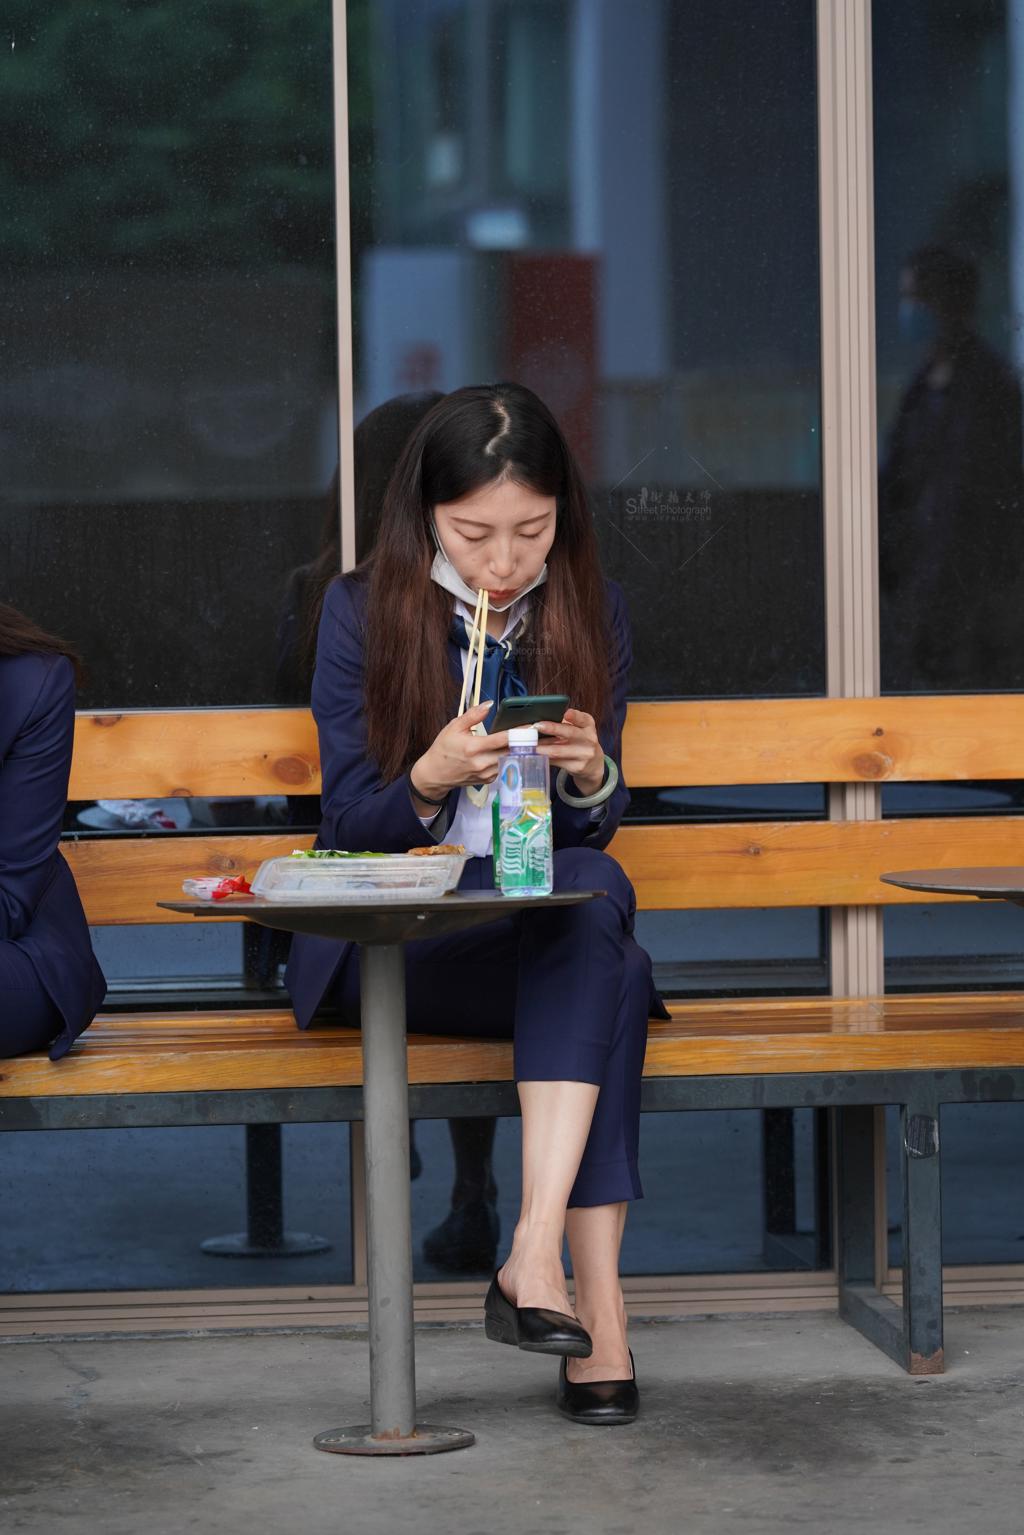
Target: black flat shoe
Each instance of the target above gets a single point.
(466, 1240)
(533, 1328)
(598, 1401)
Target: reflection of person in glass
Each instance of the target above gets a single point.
(951, 538)
(50, 983)
(377, 441)
(487, 494)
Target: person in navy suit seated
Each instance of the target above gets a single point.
(50, 983)
(487, 494)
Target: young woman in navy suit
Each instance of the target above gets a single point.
(487, 494)
(50, 983)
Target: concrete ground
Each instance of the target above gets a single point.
(748, 1425)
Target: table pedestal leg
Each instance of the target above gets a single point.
(393, 1430)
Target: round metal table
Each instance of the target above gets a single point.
(993, 883)
(381, 929)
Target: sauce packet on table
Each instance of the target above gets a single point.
(216, 889)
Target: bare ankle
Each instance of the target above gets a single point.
(608, 1315)
(540, 1228)
(537, 1241)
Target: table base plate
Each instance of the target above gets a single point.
(294, 1244)
(425, 1439)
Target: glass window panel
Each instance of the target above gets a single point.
(729, 953)
(529, 236)
(963, 945)
(615, 273)
(503, 224)
(168, 403)
(129, 1209)
(948, 140)
(168, 419)
(708, 1179)
(947, 153)
(754, 1206)
(953, 946)
(982, 1168)
(151, 954)
(658, 287)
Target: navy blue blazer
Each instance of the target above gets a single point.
(361, 811)
(40, 908)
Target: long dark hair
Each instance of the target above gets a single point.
(19, 636)
(469, 439)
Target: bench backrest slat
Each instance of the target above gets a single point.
(750, 864)
(715, 741)
(193, 753)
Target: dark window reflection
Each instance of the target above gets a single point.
(617, 206)
(760, 1201)
(167, 398)
(945, 945)
(142, 1202)
(758, 951)
(738, 952)
(982, 1166)
(951, 502)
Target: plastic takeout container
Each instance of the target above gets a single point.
(389, 877)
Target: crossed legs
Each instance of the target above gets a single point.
(556, 1123)
(572, 987)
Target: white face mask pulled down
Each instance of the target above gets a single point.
(444, 573)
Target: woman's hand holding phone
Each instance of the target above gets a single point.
(457, 756)
(572, 744)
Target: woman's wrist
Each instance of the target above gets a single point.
(597, 796)
(589, 783)
(424, 790)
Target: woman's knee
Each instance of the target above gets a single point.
(589, 868)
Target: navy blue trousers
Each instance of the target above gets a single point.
(571, 988)
(29, 1020)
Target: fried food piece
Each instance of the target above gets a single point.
(438, 847)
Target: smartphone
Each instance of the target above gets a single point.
(528, 710)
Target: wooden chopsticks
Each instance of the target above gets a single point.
(477, 640)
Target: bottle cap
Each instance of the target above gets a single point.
(522, 735)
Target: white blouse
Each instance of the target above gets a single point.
(471, 824)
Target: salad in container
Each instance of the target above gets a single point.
(321, 875)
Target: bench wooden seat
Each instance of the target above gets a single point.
(238, 1050)
(851, 1055)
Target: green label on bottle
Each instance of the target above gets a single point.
(526, 850)
(496, 840)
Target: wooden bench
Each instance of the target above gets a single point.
(251, 1066)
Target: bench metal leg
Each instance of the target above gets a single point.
(264, 1201)
(393, 1429)
(910, 1333)
(922, 1237)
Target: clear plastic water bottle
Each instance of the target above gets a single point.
(522, 821)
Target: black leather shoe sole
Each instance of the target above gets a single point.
(598, 1402)
(533, 1328)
